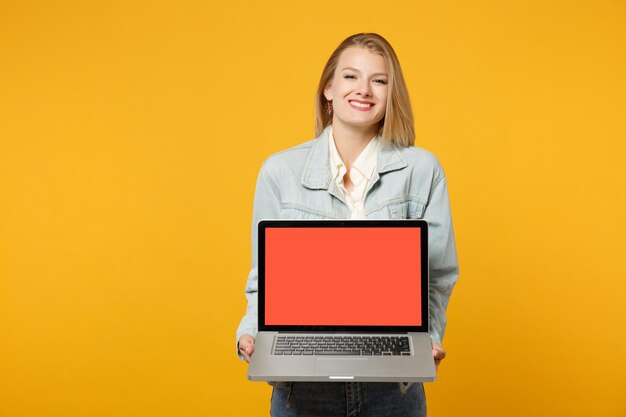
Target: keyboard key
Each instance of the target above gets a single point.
(342, 345)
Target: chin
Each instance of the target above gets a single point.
(358, 123)
(365, 123)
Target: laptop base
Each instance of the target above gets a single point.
(418, 367)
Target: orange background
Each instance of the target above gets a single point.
(131, 134)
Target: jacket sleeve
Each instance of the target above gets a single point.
(266, 206)
(442, 257)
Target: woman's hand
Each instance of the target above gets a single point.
(438, 353)
(246, 346)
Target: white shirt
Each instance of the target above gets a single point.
(361, 173)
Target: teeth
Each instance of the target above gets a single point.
(354, 103)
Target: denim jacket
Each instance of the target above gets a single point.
(409, 184)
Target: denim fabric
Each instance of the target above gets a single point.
(409, 183)
(347, 399)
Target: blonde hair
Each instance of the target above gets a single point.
(397, 125)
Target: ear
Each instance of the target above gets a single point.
(327, 92)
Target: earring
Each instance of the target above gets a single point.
(329, 107)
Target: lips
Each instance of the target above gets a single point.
(361, 105)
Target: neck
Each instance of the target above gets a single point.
(350, 142)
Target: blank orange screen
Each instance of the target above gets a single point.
(343, 276)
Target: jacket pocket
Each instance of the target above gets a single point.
(301, 212)
(409, 208)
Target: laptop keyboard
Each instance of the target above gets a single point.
(342, 345)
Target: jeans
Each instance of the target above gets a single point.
(348, 399)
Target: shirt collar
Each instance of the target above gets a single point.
(316, 173)
(337, 167)
(365, 163)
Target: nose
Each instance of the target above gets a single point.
(365, 88)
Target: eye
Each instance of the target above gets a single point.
(380, 81)
(349, 76)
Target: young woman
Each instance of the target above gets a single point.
(361, 165)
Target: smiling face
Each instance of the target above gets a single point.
(358, 89)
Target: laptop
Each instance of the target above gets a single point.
(342, 300)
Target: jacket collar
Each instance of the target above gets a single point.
(316, 173)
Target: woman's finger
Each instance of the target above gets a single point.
(246, 347)
(438, 353)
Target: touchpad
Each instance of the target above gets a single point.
(340, 366)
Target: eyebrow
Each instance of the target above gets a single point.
(356, 70)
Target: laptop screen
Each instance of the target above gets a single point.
(343, 274)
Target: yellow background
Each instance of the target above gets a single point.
(131, 134)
